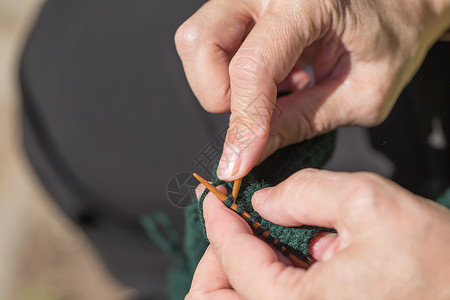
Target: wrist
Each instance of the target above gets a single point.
(425, 22)
(438, 19)
(444, 6)
(441, 7)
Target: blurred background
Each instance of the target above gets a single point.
(95, 93)
(92, 94)
(42, 254)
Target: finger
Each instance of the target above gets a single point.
(344, 201)
(322, 246)
(250, 264)
(209, 281)
(347, 97)
(199, 190)
(264, 59)
(207, 41)
(322, 243)
(303, 115)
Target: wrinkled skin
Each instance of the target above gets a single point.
(236, 53)
(391, 244)
(345, 62)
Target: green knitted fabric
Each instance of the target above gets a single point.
(312, 153)
(186, 255)
(297, 238)
(444, 199)
(279, 166)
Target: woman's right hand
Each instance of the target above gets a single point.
(236, 53)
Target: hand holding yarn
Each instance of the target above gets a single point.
(383, 250)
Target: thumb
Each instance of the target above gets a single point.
(264, 59)
(349, 96)
(250, 265)
(346, 202)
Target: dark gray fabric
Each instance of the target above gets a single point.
(404, 136)
(108, 120)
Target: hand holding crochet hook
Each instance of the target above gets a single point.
(345, 63)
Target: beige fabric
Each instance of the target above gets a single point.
(42, 254)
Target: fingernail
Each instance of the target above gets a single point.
(259, 197)
(323, 241)
(229, 164)
(199, 191)
(320, 244)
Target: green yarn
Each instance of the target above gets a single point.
(186, 255)
(444, 199)
(297, 238)
(279, 166)
(195, 244)
(160, 229)
(311, 153)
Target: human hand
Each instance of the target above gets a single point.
(362, 52)
(391, 244)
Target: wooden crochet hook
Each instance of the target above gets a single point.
(297, 258)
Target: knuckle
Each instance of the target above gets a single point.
(216, 100)
(247, 67)
(304, 174)
(366, 113)
(361, 187)
(300, 179)
(306, 127)
(366, 195)
(187, 36)
(244, 132)
(216, 107)
(372, 106)
(374, 113)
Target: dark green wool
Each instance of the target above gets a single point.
(297, 238)
(312, 153)
(444, 199)
(279, 166)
